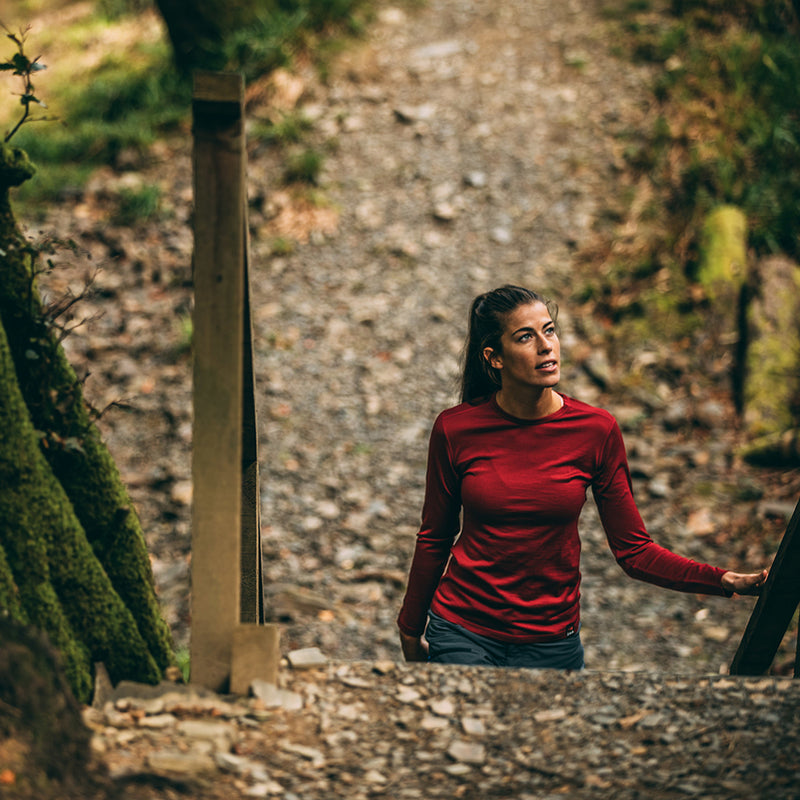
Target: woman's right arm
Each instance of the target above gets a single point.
(439, 528)
(414, 647)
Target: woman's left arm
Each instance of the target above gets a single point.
(638, 555)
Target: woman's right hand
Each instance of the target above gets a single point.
(414, 648)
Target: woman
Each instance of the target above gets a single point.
(514, 460)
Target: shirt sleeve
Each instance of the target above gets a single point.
(438, 530)
(637, 554)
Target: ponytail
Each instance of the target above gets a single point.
(479, 378)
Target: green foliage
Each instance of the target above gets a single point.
(288, 129)
(772, 16)
(22, 67)
(288, 27)
(269, 43)
(124, 106)
(185, 329)
(303, 167)
(727, 132)
(183, 662)
(732, 91)
(281, 246)
(116, 9)
(136, 205)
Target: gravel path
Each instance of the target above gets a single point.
(360, 730)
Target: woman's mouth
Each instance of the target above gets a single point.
(548, 366)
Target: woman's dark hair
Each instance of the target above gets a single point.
(487, 317)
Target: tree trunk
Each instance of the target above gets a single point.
(75, 562)
(198, 31)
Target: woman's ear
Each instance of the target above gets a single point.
(492, 359)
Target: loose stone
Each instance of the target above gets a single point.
(443, 708)
(473, 726)
(274, 697)
(157, 721)
(467, 752)
(306, 658)
(175, 761)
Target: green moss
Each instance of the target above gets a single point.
(9, 593)
(725, 135)
(134, 205)
(62, 587)
(288, 129)
(723, 265)
(773, 357)
(15, 169)
(774, 450)
(771, 366)
(75, 452)
(74, 546)
(303, 167)
(772, 385)
(25, 551)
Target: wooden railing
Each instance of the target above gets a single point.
(230, 645)
(774, 610)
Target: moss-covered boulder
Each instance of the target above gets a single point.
(774, 449)
(723, 253)
(15, 168)
(772, 366)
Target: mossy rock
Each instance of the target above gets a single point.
(75, 559)
(772, 368)
(723, 248)
(775, 450)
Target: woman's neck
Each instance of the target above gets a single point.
(529, 405)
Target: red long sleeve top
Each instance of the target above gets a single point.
(498, 549)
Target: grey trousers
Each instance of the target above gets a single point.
(452, 644)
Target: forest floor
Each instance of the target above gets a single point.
(466, 145)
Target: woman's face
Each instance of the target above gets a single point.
(530, 353)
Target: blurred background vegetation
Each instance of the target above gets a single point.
(108, 108)
(725, 129)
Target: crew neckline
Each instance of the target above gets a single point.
(523, 421)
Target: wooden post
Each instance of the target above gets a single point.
(775, 608)
(256, 655)
(226, 558)
(252, 597)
